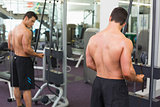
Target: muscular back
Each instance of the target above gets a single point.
(105, 50)
(16, 39)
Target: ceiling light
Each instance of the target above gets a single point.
(34, 0)
(76, 3)
(135, 3)
(69, 3)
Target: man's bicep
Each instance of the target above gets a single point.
(26, 40)
(9, 40)
(126, 60)
(88, 57)
(125, 57)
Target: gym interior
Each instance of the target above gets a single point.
(62, 32)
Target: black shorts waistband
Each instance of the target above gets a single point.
(113, 80)
(23, 57)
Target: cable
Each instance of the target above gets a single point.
(50, 39)
(38, 35)
(129, 12)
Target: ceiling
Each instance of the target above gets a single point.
(73, 5)
(88, 5)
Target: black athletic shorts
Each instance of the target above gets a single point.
(109, 93)
(22, 73)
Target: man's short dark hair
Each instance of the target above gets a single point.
(30, 14)
(119, 15)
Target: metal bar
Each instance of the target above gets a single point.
(38, 35)
(152, 53)
(79, 61)
(50, 38)
(64, 23)
(44, 64)
(87, 14)
(51, 27)
(156, 53)
(93, 13)
(129, 12)
(138, 22)
(57, 43)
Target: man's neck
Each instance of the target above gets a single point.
(25, 25)
(114, 26)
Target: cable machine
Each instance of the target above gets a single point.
(151, 72)
(55, 79)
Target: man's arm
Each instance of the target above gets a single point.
(10, 47)
(89, 60)
(126, 63)
(26, 43)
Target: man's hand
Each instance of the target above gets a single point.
(40, 55)
(139, 78)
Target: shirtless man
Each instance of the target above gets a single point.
(19, 41)
(109, 53)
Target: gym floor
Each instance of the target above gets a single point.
(78, 93)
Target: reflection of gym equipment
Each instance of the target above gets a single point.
(35, 35)
(47, 36)
(75, 35)
(87, 13)
(74, 57)
(54, 78)
(2, 33)
(152, 71)
(79, 39)
(70, 32)
(5, 75)
(81, 29)
(142, 43)
(89, 75)
(132, 37)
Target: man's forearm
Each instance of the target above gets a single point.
(10, 47)
(31, 52)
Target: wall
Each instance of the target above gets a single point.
(105, 10)
(1, 21)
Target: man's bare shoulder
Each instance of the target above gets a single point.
(27, 31)
(92, 38)
(125, 40)
(127, 43)
(24, 30)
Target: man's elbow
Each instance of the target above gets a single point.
(129, 76)
(90, 66)
(10, 48)
(126, 75)
(26, 50)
